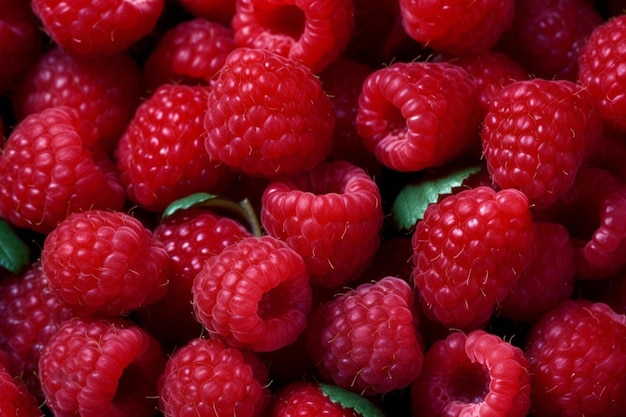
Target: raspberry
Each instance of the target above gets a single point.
(457, 27)
(366, 340)
(267, 115)
(192, 52)
(255, 294)
(105, 262)
(476, 374)
(46, 171)
(15, 399)
(207, 378)
(94, 367)
(220, 11)
(468, 251)
(313, 33)
(331, 216)
(161, 155)
(103, 91)
(535, 136)
(577, 356)
(417, 115)
(89, 27)
(600, 61)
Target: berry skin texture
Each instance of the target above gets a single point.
(98, 368)
(577, 356)
(313, 33)
(91, 28)
(477, 374)
(467, 253)
(331, 216)
(535, 136)
(267, 115)
(105, 262)
(15, 399)
(47, 171)
(418, 115)
(207, 378)
(254, 294)
(161, 155)
(301, 398)
(366, 340)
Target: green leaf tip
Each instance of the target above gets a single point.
(348, 399)
(14, 254)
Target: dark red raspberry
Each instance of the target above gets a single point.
(577, 356)
(476, 374)
(255, 294)
(105, 262)
(94, 367)
(600, 62)
(547, 35)
(191, 52)
(220, 11)
(457, 27)
(161, 155)
(268, 115)
(468, 251)
(313, 33)
(418, 115)
(190, 238)
(331, 216)
(207, 378)
(536, 134)
(366, 339)
(15, 399)
(47, 172)
(103, 91)
(90, 27)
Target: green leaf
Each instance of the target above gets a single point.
(14, 254)
(348, 399)
(411, 202)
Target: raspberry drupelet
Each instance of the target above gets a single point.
(15, 398)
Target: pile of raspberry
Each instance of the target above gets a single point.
(273, 208)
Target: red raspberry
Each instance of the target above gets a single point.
(191, 52)
(46, 171)
(331, 216)
(255, 294)
(547, 35)
(468, 251)
(600, 62)
(577, 356)
(90, 27)
(190, 237)
(15, 399)
(161, 155)
(418, 115)
(313, 33)
(220, 11)
(476, 374)
(535, 136)
(365, 340)
(95, 367)
(105, 262)
(267, 115)
(103, 91)
(457, 27)
(206, 378)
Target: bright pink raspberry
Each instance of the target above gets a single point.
(105, 262)
(457, 27)
(468, 251)
(47, 171)
(161, 155)
(536, 134)
(366, 339)
(15, 399)
(313, 33)
(220, 11)
(418, 115)
(90, 27)
(255, 294)
(331, 216)
(267, 115)
(577, 356)
(93, 367)
(477, 374)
